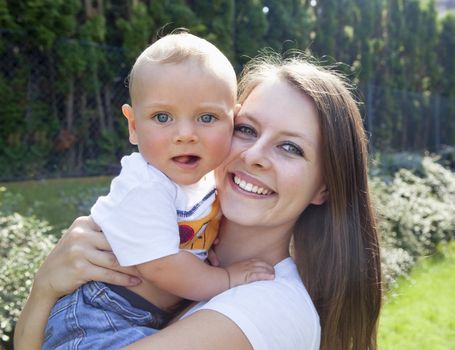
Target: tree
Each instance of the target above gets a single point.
(137, 29)
(334, 29)
(32, 71)
(446, 83)
(446, 55)
(249, 30)
(169, 15)
(289, 25)
(218, 17)
(367, 39)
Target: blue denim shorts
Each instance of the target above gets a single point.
(95, 317)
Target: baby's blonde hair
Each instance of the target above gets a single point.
(178, 47)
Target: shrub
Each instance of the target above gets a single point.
(395, 262)
(385, 165)
(415, 213)
(24, 243)
(447, 157)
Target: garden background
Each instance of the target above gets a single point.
(62, 82)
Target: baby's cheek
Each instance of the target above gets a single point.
(220, 145)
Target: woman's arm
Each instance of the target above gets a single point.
(82, 254)
(203, 330)
(29, 331)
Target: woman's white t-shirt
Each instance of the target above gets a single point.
(274, 315)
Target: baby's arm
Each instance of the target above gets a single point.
(186, 276)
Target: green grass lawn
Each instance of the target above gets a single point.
(420, 312)
(58, 201)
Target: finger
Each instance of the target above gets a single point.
(261, 264)
(84, 235)
(259, 276)
(93, 225)
(100, 241)
(108, 260)
(81, 221)
(114, 277)
(103, 259)
(263, 269)
(213, 258)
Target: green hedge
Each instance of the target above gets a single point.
(24, 243)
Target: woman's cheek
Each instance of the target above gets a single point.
(238, 145)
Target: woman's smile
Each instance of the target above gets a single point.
(250, 185)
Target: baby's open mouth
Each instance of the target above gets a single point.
(187, 159)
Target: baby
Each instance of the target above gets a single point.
(162, 213)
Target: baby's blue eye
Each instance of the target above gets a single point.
(207, 118)
(292, 148)
(162, 118)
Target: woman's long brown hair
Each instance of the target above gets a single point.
(335, 245)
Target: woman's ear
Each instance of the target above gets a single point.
(321, 196)
(128, 112)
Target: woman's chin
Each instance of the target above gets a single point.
(243, 208)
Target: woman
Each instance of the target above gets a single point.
(299, 137)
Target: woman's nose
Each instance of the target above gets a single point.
(185, 133)
(257, 156)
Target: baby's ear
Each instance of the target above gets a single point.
(128, 112)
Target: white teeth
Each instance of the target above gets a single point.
(249, 187)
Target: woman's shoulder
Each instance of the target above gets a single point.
(276, 314)
(286, 292)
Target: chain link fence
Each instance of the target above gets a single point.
(61, 112)
(62, 116)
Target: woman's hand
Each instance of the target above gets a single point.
(82, 255)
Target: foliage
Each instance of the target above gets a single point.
(136, 31)
(219, 30)
(289, 25)
(417, 212)
(64, 64)
(447, 157)
(24, 243)
(250, 28)
(446, 52)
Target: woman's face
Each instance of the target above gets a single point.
(273, 171)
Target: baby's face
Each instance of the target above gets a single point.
(182, 119)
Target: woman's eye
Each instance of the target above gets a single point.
(244, 130)
(207, 118)
(162, 118)
(292, 148)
